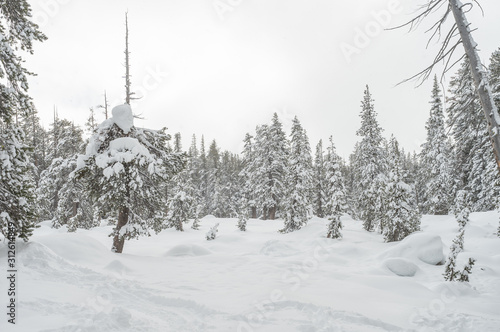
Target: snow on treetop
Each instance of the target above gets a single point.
(130, 144)
(123, 117)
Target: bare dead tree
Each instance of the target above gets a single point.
(460, 33)
(105, 106)
(128, 84)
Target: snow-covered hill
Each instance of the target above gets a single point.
(259, 280)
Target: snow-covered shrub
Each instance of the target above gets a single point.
(451, 273)
(212, 233)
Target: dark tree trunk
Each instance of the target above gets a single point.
(254, 212)
(76, 205)
(272, 213)
(119, 240)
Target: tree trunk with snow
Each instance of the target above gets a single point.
(480, 77)
(119, 239)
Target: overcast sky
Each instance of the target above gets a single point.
(221, 67)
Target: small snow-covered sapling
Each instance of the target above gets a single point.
(212, 233)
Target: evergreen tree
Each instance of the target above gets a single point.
(212, 233)
(181, 202)
(270, 163)
(17, 196)
(368, 165)
(476, 168)
(457, 247)
(65, 140)
(177, 143)
(401, 217)
(298, 207)
(36, 138)
(494, 71)
(215, 186)
(196, 221)
(451, 273)
(336, 204)
(194, 170)
(91, 124)
(204, 175)
(320, 182)
(436, 160)
(461, 208)
(248, 174)
(17, 34)
(64, 143)
(243, 215)
(123, 170)
(73, 209)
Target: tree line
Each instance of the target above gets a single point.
(142, 180)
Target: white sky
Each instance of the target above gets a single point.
(201, 71)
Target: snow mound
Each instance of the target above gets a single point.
(187, 250)
(208, 217)
(117, 266)
(38, 256)
(426, 247)
(401, 267)
(77, 248)
(123, 117)
(277, 248)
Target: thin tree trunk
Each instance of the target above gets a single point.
(127, 64)
(76, 205)
(272, 213)
(254, 212)
(119, 240)
(480, 78)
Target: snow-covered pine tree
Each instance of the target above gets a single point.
(194, 170)
(177, 143)
(212, 233)
(270, 164)
(298, 206)
(476, 168)
(17, 34)
(451, 273)
(230, 194)
(467, 270)
(124, 170)
(336, 203)
(180, 203)
(196, 221)
(91, 124)
(215, 186)
(243, 214)
(36, 138)
(65, 141)
(17, 187)
(461, 208)
(204, 178)
(436, 160)
(319, 182)
(248, 175)
(494, 75)
(73, 209)
(401, 217)
(368, 164)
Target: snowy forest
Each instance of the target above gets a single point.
(78, 181)
(139, 182)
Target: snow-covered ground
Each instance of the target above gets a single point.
(259, 280)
